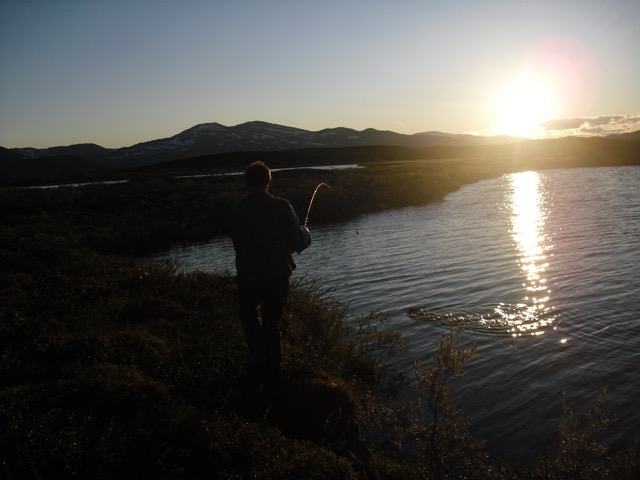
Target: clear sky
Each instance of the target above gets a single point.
(119, 72)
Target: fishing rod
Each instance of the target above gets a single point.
(306, 219)
(313, 198)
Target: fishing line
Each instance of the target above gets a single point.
(313, 197)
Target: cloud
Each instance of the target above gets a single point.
(588, 126)
(562, 123)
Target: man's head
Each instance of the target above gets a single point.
(257, 175)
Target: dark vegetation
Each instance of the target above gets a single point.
(115, 366)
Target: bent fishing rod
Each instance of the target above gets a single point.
(313, 197)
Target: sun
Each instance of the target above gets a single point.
(520, 108)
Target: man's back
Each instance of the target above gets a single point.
(262, 228)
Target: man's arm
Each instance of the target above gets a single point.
(299, 236)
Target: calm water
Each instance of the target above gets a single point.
(543, 265)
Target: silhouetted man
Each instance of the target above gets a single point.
(265, 231)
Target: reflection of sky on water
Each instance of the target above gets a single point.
(526, 202)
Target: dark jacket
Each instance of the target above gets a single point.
(265, 231)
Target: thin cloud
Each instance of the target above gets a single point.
(602, 125)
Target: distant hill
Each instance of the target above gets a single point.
(212, 139)
(83, 150)
(7, 155)
(626, 136)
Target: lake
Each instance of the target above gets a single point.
(544, 267)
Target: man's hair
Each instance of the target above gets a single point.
(257, 175)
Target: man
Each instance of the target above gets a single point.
(265, 231)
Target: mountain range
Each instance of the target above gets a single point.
(214, 138)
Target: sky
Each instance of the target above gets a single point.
(118, 72)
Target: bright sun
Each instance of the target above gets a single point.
(520, 108)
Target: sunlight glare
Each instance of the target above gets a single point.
(521, 107)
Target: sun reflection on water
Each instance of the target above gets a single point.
(526, 201)
(527, 204)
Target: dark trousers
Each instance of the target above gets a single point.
(261, 307)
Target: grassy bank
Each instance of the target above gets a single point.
(150, 214)
(113, 366)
